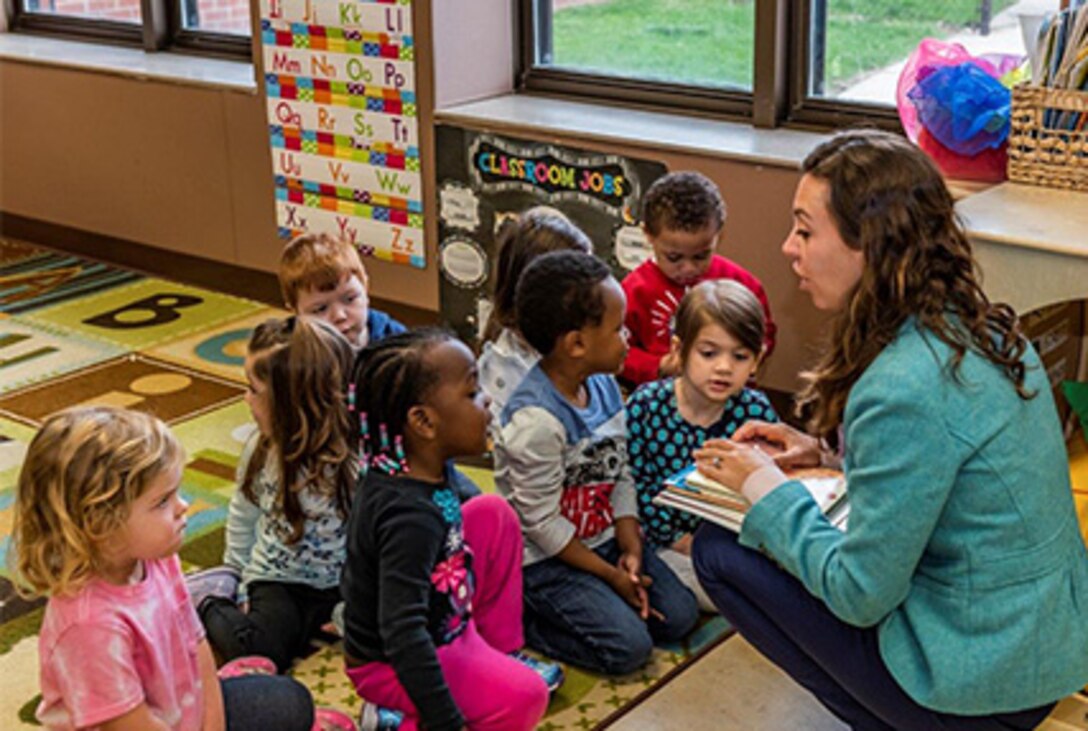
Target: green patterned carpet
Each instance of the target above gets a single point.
(74, 331)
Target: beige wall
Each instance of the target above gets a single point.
(176, 167)
(476, 61)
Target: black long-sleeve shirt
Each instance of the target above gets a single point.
(408, 586)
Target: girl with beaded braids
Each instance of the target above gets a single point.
(288, 519)
(432, 589)
(957, 598)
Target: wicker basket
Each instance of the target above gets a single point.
(1040, 152)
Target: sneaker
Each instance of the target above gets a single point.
(330, 719)
(376, 718)
(247, 665)
(218, 581)
(335, 625)
(552, 672)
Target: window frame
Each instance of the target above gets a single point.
(594, 87)
(779, 95)
(820, 112)
(159, 29)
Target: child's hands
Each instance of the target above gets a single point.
(631, 584)
(631, 564)
(631, 591)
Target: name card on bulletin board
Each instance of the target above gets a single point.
(339, 78)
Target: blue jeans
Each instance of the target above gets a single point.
(575, 617)
(838, 663)
(259, 702)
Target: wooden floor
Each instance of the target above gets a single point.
(735, 688)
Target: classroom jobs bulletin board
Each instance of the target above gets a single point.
(483, 179)
(339, 80)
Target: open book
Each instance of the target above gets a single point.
(692, 491)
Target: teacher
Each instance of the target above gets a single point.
(958, 596)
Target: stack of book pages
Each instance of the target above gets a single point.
(692, 491)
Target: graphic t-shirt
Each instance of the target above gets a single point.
(564, 468)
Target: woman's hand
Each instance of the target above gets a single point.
(730, 463)
(789, 447)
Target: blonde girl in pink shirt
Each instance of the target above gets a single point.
(98, 524)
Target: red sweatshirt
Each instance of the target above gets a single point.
(652, 300)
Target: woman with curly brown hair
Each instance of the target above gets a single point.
(958, 596)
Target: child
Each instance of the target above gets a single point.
(683, 214)
(506, 357)
(719, 344)
(429, 621)
(591, 596)
(98, 523)
(287, 522)
(322, 276)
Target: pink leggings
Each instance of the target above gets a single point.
(494, 691)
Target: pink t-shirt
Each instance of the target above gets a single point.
(109, 648)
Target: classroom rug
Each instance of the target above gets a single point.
(74, 331)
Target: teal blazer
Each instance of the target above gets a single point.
(963, 547)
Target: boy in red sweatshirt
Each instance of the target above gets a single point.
(683, 214)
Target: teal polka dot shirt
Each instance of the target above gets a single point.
(660, 443)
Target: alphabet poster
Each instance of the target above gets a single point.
(484, 179)
(339, 78)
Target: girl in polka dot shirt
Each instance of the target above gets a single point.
(718, 336)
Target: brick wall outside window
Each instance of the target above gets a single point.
(225, 16)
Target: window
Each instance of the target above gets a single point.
(822, 62)
(122, 11)
(678, 53)
(217, 16)
(219, 27)
(692, 42)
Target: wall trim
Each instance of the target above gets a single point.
(185, 268)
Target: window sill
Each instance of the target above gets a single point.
(175, 68)
(544, 118)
